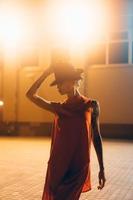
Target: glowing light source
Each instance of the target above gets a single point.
(1, 103)
(76, 22)
(11, 27)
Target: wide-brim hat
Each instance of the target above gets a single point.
(66, 72)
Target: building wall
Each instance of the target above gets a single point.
(112, 87)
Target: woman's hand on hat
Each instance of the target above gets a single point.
(49, 70)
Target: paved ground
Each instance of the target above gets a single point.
(23, 165)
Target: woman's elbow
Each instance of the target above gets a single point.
(29, 95)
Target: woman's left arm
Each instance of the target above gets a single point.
(97, 141)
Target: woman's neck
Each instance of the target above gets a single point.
(73, 93)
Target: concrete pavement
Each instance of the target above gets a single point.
(23, 163)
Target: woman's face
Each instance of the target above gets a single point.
(65, 87)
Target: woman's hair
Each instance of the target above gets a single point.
(77, 83)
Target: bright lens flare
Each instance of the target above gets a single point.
(1, 103)
(71, 23)
(76, 23)
(10, 29)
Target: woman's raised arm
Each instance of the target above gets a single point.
(32, 92)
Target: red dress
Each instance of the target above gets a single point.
(68, 171)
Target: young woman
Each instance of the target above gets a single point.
(76, 124)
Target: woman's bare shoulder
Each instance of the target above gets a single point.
(95, 103)
(96, 107)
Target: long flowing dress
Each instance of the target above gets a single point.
(68, 170)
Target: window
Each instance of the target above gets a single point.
(118, 53)
(97, 55)
(130, 21)
(123, 35)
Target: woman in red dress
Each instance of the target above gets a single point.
(76, 124)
